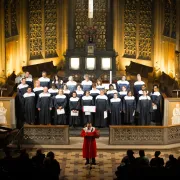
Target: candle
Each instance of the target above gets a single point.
(110, 77)
(90, 9)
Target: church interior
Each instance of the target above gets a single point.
(101, 40)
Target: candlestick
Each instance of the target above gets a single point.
(110, 77)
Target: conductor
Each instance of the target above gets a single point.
(89, 145)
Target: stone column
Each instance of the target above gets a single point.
(22, 43)
(2, 41)
(158, 35)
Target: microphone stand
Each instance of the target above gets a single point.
(90, 158)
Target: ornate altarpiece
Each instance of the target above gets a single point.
(90, 41)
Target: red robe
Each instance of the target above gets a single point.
(89, 144)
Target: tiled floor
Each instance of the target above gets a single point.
(73, 168)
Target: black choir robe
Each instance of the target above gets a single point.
(122, 83)
(110, 93)
(53, 92)
(100, 87)
(74, 104)
(71, 86)
(137, 88)
(58, 84)
(29, 107)
(67, 94)
(129, 108)
(79, 94)
(144, 108)
(122, 94)
(94, 93)
(30, 82)
(156, 114)
(115, 111)
(37, 91)
(44, 103)
(101, 106)
(22, 89)
(44, 82)
(87, 101)
(140, 93)
(87, 85)
(60, 101)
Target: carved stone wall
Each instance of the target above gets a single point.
(50, 25)
(144, 135)
(130, 28)
(145, 29)
(100, 24)
(170, 18)
(99, 28)
(174, 21)
(81, 23)
(35, 29)
(43, 29)
(173, 135)
(14, 30)
(54, 135)
(6, 18)
(138, 29)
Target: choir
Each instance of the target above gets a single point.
(55, 102)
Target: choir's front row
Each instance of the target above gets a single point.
(41, 106)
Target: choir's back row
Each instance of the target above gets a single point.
(55, 102)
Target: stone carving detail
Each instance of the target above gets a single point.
(6, 18)
(136, 136)
(173, 134)
(167, 18)
(81, 23)
(145, 29)
(173, 31)
(95, 34)
(99, 21)
(50, 28)
(34, 135)
(130, 28)
(35, 29)
(14, 30)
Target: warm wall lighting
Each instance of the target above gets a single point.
(74, 63)
(106, 63)
(90, 63)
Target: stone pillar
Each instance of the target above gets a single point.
(71, 34)
(118, 30)
(158, 35)
(22, 43)
(2, 41)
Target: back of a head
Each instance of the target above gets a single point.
(130, 152)
(171, 157)
(157, 153)
(50, 155)
(141, 153)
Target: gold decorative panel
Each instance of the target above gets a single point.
(145, 29)
(97, 32)
(35, 29)
(50, 28)
(167, 17)
(130, 28)
(6, 18)
(99, 20)
(81, 23)
(170, 18)
(173, 31)
(14, 30)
